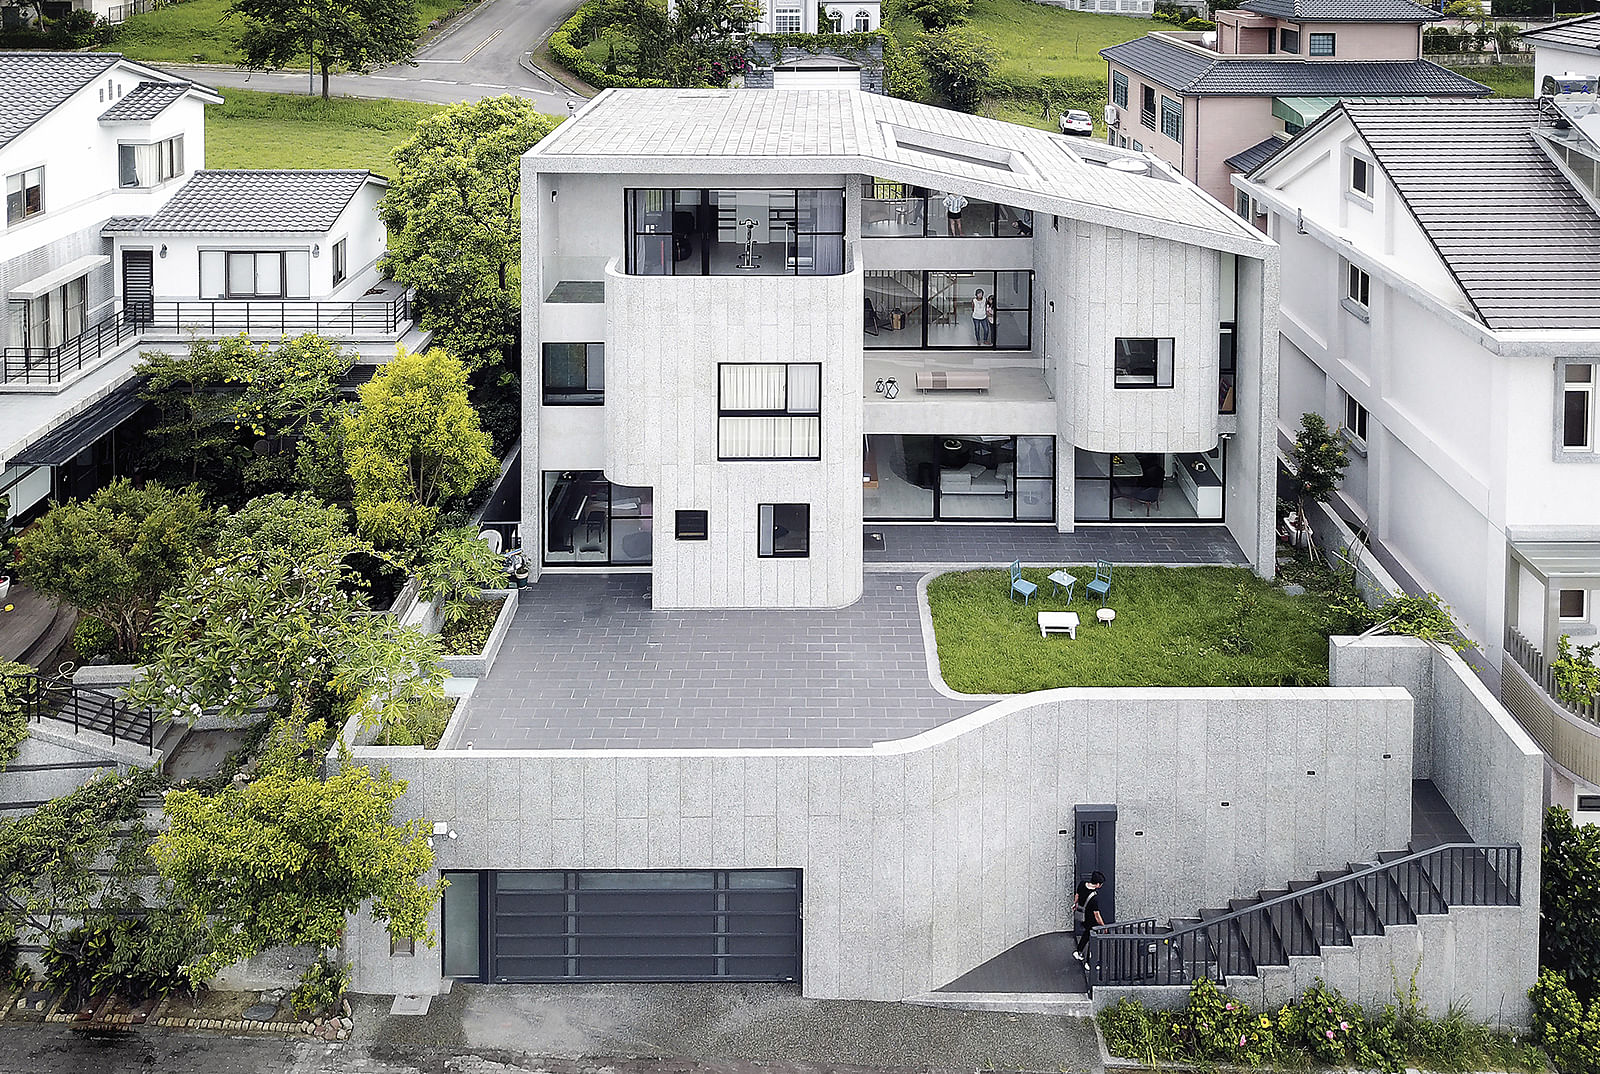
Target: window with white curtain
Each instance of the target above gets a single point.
(770, 410)
(147, 165)
(255, 274)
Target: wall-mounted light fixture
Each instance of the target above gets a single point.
(553, 194)
(316, 250)
(163, 249)
(441, 830)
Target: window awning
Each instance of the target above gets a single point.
(56, 277)
(1301, 110)
(66, 442)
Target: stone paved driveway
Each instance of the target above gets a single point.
(589, 664)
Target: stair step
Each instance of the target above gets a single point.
(1323, 921)
(1388, 899)
(1230, 943)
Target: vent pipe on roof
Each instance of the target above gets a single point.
(1132, 167)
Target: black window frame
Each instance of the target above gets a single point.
(1289, 41)
(1172, 118)
(340, 253)
(1227, 368)
(922, 300)
(776, 553)
(1362, 181)
(1313, 41)
(1147, 106)
(1355, 419)
(1577, 406)
(1358, 286)
(1119, 89)
(17, 211)
(703, 212)
(691, 525)
(1156, 356)
(784, 412)
(566, 395)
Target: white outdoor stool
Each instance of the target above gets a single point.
(1106, 616)
(1060, 622)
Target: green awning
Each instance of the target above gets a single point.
(1302, 111)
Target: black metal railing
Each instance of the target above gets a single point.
(1305, 919)
(87, 709)
(46, 365)
(227, 316)
(1531, 660)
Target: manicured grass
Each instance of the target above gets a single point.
(1170, 630)
(1036, 39)
(203, 31)
(285, 130)
(1506, 81)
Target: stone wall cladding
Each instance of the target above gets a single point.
(925, 857)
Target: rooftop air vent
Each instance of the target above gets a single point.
(1131, 167)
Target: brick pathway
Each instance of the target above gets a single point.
(589, 664)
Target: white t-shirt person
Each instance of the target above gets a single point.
(954, 203)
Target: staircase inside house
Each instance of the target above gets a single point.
(1441, 868)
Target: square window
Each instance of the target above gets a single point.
(1361, 176)
(1289, 41)
(769, 411)
(574, 374)
(1143, 363)
(1355, 420)
(692, 525)
(1321, 45)
(786, 20)
(1574, 604)
(401, 946)
(1119, 89)
(1358, 288)
(783, 530)
(24, 195)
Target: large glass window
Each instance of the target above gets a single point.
(53, 318)
(1322, 44)
(24, 195)
(765, 232)
(147, 165)
(574, 374)
(255, 274)
(1172, 487)
(769, 410)
(948, 309)
(900, 210)
(461, 934)
(590, 522)
(989, 478)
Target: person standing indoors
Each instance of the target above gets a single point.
(989, 319)
(980, 316)
(1087, 900)
(953, 204)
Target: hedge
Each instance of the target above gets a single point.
(570, 57)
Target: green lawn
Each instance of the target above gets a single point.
(1505, 81)
(204, 31)
(1035, 39)
(1169, 631)
(285, 130)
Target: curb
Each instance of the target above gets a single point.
(532, 68)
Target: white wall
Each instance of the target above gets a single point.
(1558, 60)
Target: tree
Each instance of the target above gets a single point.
(114, 554)
(939, 14)
(698, 43)
(960, 63)
(1319, 459)
(13, 713)
(1569, 902)
(454, 232)
(297, 527)
(352, 35)
(414, 443)
(286, 858)
(456, 565)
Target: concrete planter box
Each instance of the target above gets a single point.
(427, 617)
(361, 741)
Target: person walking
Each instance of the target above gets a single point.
(980, 316)
(953, 204)
(990, 320)
(1086, 900)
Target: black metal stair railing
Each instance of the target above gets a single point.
(1327, 912)
(86, 709)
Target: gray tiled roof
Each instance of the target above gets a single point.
(1248, 160)
(33, 84)
(1196, 75)
(293, 201)
(1517, 236)
(1581, 32)
(147, 101)
(1343, 10)
(124, 224)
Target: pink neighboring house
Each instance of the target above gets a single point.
(1212, 104)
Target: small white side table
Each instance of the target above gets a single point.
(1106, 616)
(1058, 621)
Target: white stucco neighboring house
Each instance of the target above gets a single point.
(1565, 48)
(1435, 306)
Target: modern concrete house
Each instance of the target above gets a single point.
(1565, 48)
(759, 318)
(1216, 104)
(117, 239)
(1430, 308)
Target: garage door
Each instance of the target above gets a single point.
(645, 926)
(814, 78)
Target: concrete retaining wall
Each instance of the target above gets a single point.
(924, 857)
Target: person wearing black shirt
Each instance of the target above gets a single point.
(1086, 901)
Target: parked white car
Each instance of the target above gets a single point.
(1074, 121)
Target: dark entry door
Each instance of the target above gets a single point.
(700, 925)
(138, 287)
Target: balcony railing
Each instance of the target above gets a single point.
(228, 316)
(47, 365)
(1530, 659)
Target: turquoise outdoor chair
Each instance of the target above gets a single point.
(1019, 584)
(1102, 579)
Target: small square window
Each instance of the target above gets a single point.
(1143, 363)
(1361, 176)
(1289, 41)
(401, 946)
(1321, 45)
(1575, 604)
(1355, 420)
(1359, 287)
(692, 525)
(783, 531)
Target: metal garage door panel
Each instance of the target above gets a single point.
(814, 79)
(673, 926)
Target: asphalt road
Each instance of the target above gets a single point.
(478, 55)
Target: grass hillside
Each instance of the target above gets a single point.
(278, 130)
(203, 31)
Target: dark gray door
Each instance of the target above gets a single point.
(138, 287)
(692, 925)
(1096, 847)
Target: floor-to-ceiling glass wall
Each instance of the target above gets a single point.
(959, 477)
(589, 522)
(1139, 485)
(948, 309)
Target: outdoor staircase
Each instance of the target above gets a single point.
(61, 703)
(1306, 917)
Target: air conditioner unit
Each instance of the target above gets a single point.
(1113, 117)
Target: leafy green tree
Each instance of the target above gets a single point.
(414, 443)
(939, 14)
(698, 43)
(342, 35)
(287, 857)
(960, 65)
(114, 554)
(13, 716)
(1569, 902)
(297, 526)
(454, 232)
(455, 566)
(1319, 459)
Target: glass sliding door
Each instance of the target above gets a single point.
(589, 522)
(761, 231)
(959, 477)
(948, 309)
(1138, 485)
